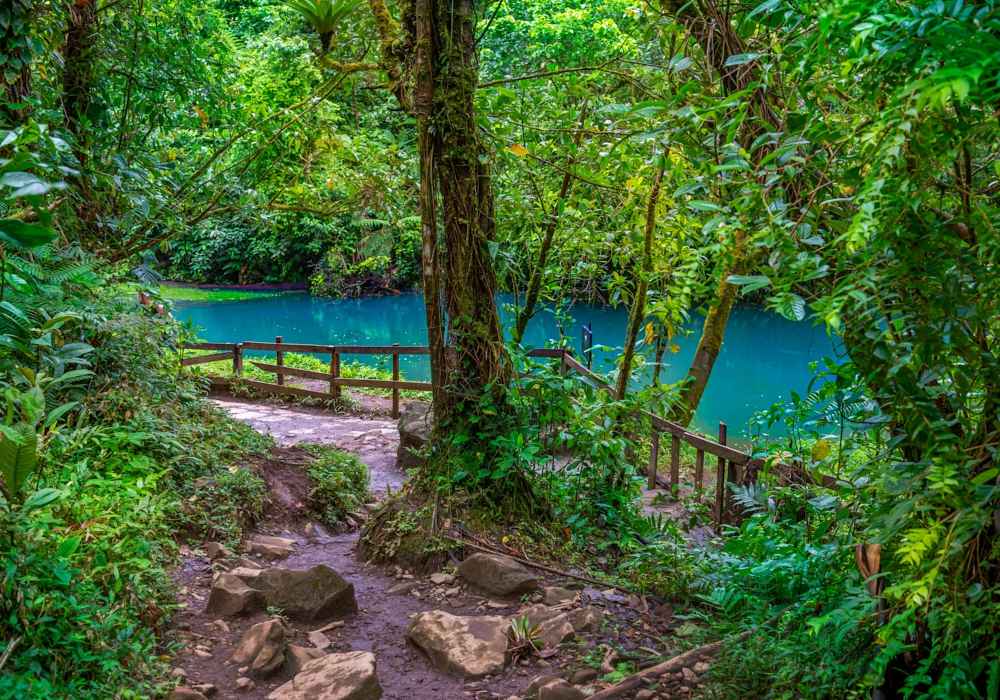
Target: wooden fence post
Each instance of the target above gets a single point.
(699, 469)
(334, 373)
(675, 466)
(237, 359)
(654, 457)
(720, 479)
(395, 378)
(281, 362)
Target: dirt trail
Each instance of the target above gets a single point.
(404, 671)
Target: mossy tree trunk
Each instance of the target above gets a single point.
(638, 313)
(711, 28)
(435, 44)
(15, 77)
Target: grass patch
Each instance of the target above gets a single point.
(341, 483)
(214, 295)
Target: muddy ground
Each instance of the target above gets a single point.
(379, 625)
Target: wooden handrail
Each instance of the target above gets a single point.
(568, 362)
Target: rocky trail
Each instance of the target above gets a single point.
(353, 631)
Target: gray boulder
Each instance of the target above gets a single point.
(555, 627)
(554, 595)
(497, 574)
(313, 594)
(230, 596)
(262, 649)
(298, 657)
(560, 690)
(348, 676)
(415, 425)
(461, 647)
(588, 619)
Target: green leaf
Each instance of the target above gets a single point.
(749, 282)
(24, 235)
(17, 461)
(39, 499)
(59, 411)
(702, 205)
(741, 58)
(68, 547)
(981, 479)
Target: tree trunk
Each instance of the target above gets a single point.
(435, 45)
(719, 40)
(710, 343)
(639, 303)
(479, 357)
(423, 108)
(78, 59)
(16, 74)
(538, 272)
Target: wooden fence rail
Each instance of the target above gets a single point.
(731, 462)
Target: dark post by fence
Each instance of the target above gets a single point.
(720, 478)
(395, 378)
(654, 457)
(588, 345)
(699, 469)
(675, 465)
(280, 362)
(334, 374)
(237, 359)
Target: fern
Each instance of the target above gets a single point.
(372, 223)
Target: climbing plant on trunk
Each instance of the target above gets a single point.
(436, 44)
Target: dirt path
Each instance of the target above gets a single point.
(404, 671)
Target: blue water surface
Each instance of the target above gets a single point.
(764, 357)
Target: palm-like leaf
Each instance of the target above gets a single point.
(17, 455)
(323, 15)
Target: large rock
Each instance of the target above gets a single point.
(230, 596)
(555, 595)
(555, 625)
(497, 574)
(588, 619)
(312, 594)
(462, 647)
(348, 676)
(298, 657)
(262, 649)
(271, 552)
(560, 690)
(415, 425)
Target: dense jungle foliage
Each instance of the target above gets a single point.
(837, 160)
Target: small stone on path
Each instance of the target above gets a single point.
(319, 640)
(244, 685)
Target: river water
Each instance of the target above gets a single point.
(764, 357)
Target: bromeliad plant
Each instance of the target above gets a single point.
(324, 15)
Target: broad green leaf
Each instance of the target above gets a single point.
(24, 235)
(749, 282)
(741, 58)
(17, 461)
(40, 498)
(68, 547)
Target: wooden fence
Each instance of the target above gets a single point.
(732, 464)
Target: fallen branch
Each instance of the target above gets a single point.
(677, 663)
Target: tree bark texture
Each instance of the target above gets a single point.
(435, 45)
(78, 58)
(715, 34)
(527, 311)
(15, 76)
(638, 313)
